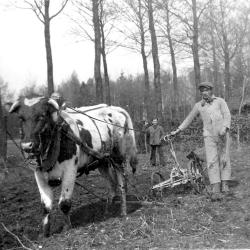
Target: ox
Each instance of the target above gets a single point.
(66, 143)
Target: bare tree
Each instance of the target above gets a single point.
(166, 28)
(3, 139)
(84, 29)
(156, 62)
(195, 47)
(136, 39)
(97, 38)
(212, 39)
(230, 32)
(41, 8)
(142, 31)
(107, 18)
(189, 13)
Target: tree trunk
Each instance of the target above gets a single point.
(145, 65)
(3, 139)
(227, 69)
(217, 86)
(97, 63)
(195, 49)
(105, 68)
(157, 75)
(172, 53)
(50, 79)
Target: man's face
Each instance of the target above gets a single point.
(154, 122)
(206, 92)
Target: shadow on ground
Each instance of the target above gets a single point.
(95, 212)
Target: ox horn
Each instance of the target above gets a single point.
(15, 106)
(53, 103)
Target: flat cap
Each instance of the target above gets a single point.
(206, 84)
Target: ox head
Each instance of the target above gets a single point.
(37, 117)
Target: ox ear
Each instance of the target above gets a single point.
(55, 108)
(14, 107)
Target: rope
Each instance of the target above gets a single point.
(13, 140)
(110, 123)
(89, 192)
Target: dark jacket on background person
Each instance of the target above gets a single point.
(155, 134)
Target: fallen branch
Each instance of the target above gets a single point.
(16, 237)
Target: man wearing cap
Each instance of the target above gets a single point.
(154, 135)
(216, 119)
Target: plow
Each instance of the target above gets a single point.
(193, 173)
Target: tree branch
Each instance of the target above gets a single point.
(60, 10)
(16, 237)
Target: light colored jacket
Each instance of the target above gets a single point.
(215, 116)
(155, 134)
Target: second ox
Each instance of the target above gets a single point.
(67, 143)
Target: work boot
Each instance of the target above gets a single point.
(216, 194)
(224, 187)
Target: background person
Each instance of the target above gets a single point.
(216, 119)
(154, 135)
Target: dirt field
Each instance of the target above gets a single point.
(185, 220)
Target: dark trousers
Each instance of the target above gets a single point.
(158, 148)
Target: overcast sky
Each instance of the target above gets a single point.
(22, 51)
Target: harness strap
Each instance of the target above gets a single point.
(63, 127)
(102, 142)
(69, 133)
(52, 151)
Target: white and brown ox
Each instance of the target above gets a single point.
(47, 134)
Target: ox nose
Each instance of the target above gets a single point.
(27, 146)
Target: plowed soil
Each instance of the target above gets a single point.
(180, 219)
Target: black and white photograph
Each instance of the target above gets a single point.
(124, 124)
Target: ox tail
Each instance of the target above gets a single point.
(129, 149)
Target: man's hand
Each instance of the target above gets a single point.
(175, 132)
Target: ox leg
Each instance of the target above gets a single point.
(46, 200)
(122, 188)
(109, 174)
(68, 183)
